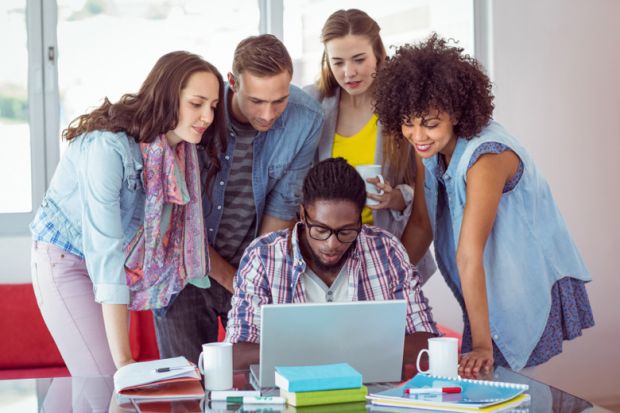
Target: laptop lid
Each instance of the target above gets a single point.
(369, 335)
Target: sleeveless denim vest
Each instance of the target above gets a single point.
(528, 250)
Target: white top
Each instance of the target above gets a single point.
(318, 292)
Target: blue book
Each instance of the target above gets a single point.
(315, 378)
(474, 394)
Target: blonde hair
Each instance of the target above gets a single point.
(398, 160)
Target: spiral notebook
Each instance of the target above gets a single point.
(475, 394)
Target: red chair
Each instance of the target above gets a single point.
(27, 349)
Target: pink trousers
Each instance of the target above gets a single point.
(77, 395)
(65, 296)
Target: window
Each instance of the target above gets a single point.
(404, 21)
(15, 177)
(66, 56)
(22, 113)
(108, 47)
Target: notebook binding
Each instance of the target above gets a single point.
(484, 382)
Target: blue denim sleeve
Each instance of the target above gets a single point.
(284, 199)
(101, 180)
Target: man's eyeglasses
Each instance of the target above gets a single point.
(322, 233)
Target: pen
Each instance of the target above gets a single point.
(223, 395)
(256, 400)
(167, 369)
(433, 390)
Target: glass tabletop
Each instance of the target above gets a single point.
(95, 394)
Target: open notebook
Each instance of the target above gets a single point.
(166, 379)
(475, 394)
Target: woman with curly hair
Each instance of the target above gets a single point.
(500, 241)
(120, 226)
(353, 51)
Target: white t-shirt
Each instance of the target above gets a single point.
(316, 291)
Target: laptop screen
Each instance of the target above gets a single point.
(369, 335)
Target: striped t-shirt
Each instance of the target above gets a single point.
(238, 224)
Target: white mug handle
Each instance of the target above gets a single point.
(381, 181)
(417, 362)
(200, 366)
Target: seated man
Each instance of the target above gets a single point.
(328, 256)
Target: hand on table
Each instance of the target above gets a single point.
(475, 363)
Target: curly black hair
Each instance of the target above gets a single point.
(334, 179)
(433, 75)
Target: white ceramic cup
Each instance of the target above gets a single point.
(443, 357)
(371, 171)
(215, 363)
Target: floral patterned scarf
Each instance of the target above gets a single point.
(168, 250)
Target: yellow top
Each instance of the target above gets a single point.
(359, 149)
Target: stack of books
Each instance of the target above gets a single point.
(320, 385)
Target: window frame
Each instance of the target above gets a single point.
(42, 109)
(44, 99)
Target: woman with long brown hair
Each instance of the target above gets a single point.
(120, 226)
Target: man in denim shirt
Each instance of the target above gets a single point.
(273, 132)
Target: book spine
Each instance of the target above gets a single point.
(299, 400)
(336, 383)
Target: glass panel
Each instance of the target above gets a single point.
(15, 161)
(107, 47)
(404, 21)
(18, 395)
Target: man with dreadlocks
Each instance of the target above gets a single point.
(328, 256)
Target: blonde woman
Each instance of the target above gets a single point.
(353, 52)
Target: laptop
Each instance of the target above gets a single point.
(369, 335)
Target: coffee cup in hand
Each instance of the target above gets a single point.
(371, 171)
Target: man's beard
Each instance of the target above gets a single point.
(316, 260)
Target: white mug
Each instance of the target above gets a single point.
(215, 362)
(371, 171)
(443, 357)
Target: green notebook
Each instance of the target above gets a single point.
(357, 407)
(312, 398)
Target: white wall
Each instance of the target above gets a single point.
(556, 70)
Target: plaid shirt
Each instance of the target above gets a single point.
(272, 265)
(43, 229)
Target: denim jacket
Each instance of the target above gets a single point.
(388, 219)
(281, 158)
(528, 250)
(95, 202)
